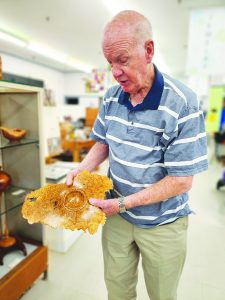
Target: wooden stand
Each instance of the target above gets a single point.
(15, 283)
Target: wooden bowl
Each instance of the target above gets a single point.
(14, 134)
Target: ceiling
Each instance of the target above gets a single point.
(74, 27)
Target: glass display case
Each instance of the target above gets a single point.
(23, 161)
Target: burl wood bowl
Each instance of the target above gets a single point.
(13, 134)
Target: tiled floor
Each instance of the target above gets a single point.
(78, 274)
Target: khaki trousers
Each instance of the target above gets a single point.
(163, 252)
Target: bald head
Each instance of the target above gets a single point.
(130, 23)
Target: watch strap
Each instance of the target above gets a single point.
(122, 207)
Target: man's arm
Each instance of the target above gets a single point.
(167, 187)
(95, 157)
(162, 190)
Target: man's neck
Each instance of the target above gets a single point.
(137, 98)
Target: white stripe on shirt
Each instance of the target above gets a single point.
(152, 218)
(102, 137)
(191, 116)
(146, 148)
(175, 88)
(166, 137)
(185, 163)
(100, 120)
(169, 111)
(134, 124)
(190, 139)
(133, 184)
(135, 165)
(184, 119)
(170, 220)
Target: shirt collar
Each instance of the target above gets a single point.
(151, 100)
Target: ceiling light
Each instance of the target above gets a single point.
(59, 56)
(47, 52)
(80, 65)
(12, 39)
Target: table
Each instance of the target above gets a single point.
(79, 145)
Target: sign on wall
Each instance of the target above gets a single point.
(206, 45)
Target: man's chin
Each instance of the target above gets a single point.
(126, 89)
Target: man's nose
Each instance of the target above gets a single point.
(116, 71)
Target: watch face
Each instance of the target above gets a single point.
(122, 209)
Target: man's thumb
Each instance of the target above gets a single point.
(93, 201)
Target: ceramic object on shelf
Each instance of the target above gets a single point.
(5, 181)
(13, 134)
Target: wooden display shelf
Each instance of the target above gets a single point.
(15, 283)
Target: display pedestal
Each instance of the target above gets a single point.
(60, 240)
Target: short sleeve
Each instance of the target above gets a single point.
(186, 154)
(98, 131)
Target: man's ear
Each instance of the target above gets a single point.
(149, 50)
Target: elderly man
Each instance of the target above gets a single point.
(152, 130)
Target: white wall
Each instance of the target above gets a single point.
(74, 83)
(53, 79)
(60, 83)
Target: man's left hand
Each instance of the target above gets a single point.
(109, 206)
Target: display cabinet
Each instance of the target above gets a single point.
(24, 259)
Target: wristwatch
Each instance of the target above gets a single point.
(122, 207)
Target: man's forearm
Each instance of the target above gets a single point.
(162, 190)
(95, 157)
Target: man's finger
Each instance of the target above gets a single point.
(96, 202)
(70, 177)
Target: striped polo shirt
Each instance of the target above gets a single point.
(162, 136)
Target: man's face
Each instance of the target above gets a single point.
(128, 62)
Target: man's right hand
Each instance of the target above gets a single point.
(70, 179)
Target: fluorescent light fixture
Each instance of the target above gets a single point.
(80, 65)
(12, 39)
(47, 52)
(59, 56)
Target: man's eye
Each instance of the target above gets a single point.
(123, 60)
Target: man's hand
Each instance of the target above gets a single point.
(71, 176)
(109, 206)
